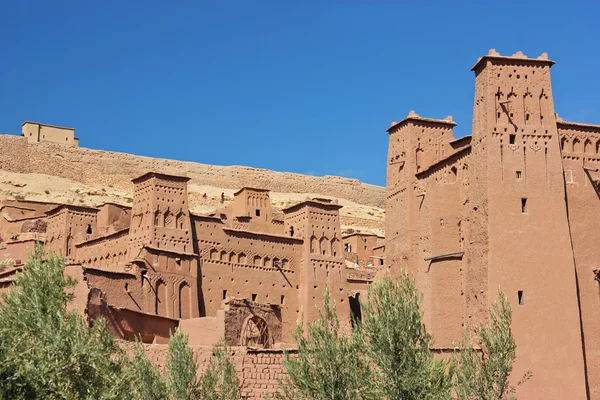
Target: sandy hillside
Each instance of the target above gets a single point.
(48, 188)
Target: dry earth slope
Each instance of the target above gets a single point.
(55, 173)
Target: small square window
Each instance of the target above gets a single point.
(254, 296)
(512, 139)
(257, 212)
(518, 174)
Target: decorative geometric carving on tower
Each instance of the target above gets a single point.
(160, 215)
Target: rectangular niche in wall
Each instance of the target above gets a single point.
(520, 297)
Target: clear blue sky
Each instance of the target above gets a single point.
(303, 86)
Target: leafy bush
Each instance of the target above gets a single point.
(49, 353)
(329, 364)
(398, 344)
(485, 374)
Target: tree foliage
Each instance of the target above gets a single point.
(220, 380)
(47, 352)
(398, 344)
(329, 364)
(388, 354)
(146, 381)
(182, 382)
(484, 373)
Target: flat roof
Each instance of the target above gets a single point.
(464, 138)
(152, 174)
(358, 234)
(73, 207)
(578, 124)
(445, 159)
(250, 188)
(48, 125)
(264, 234)
(413, 116)
(518, 56)
(313, 202)
(112, 203)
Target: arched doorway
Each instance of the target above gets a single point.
(255, 333)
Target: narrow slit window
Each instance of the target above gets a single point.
(282, 299)
(524, 205)
(224, 294)
(520, 296)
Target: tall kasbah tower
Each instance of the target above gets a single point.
(161, 243)
(160, 217)
(317, 222)
(414, 143)
(423, 218)
(519, 233)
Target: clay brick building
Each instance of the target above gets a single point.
(364, 249)
(513, 206)
(239, 273)
(36, 132)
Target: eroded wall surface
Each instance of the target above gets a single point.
(259, 371)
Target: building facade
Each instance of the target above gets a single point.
(239, 273)
(509, 207)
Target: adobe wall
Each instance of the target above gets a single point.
(15, 153)
(427, 200)
(438, 217)
(259, 371)
(361, 246)
(110, 168)
(21, 216)
(501, 201)
(530, 255)
(580, 146)
(240, 264)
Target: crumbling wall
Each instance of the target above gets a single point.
(259, 371)
(240, 312)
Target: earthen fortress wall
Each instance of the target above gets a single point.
(99, 167)
(259, 371)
